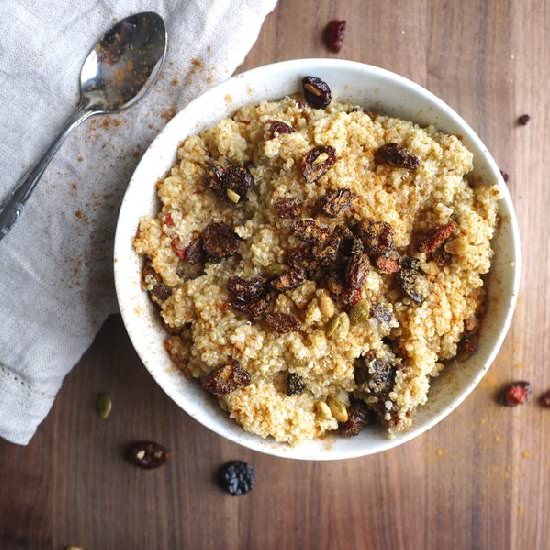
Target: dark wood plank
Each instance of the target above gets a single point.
(479, 480)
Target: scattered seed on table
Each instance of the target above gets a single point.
(103, 405)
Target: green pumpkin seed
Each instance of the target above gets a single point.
(103, 406)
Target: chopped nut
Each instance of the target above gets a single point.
(233, 197)
(326, 305)
(338, 327)
(338, 409)
(323, 410)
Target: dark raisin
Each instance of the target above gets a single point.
(467, 345)
(310, 230)
(524, 119)
(239, 180)
(360, 372)
(388, 262)
(257, 309)
(334, 283)
(334, 35)
(147, 454)
(318, 162)
(301, 258)
(316, 92)
(226, 379)
(294, 384)
(246, 290)
(381, 313)
(154, 283)
(516, 394)
(377, 236)
(380, 374)
(505, 176)
(193, 252)
(288, 280)
(275, 127)
(336, 202)
(288, 208)
(356, 273)
(358, 417)
(392, 154)
(409, 277)
(545, 399)
(281, 322)
(437, 237)
(237, 478)
(214, 177)
(219, 241)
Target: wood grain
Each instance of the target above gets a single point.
(479, 480)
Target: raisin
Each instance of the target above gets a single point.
(154, 283)
(193, 252)
(275, 127)
(288, 280)
(334, 283)
(301, 258)
(244, 291)
(219, 241)
(336, 202)
(214, 177)
(257, 309)
(468, 344)
(505, 176)
(381, 374)
(516, 394)
(545, 399)
(294, 384)
(437, 237)
(147, 454)
(316, 92)
(392, 154)
(288, 208)
(360, 372)
(358, 417)
(338, 244)
(281, 322)
(524, 119)
(334, 35)
(388, 262)
(308, 230)
(239, 180)
(237, 478)
(318, 162)
(377, 236)
(356, 273)
(226, 379)
(441, 257)
(408, 279)
(381, 313)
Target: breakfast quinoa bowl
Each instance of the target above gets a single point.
(316, 265)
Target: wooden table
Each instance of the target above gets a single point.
(479, 480)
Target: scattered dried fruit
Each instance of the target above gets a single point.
(288, 280)
(334, 35)
(275, 127)
(409, 278)
(193, 253)
(377, 237)
(294, 384)
(153, 282)
(219, 241)
(238, 180)
(214, 177)
(392, 154)
(244, 291)
(388, 262)
(524, 119)
(545, 399)
(357, 419)
(226, 379)
(516, 394)
(103, 405)
(288, 208)
(256, 309)
(356, 273)
(318, 162)
(380, 374)
(316, 92)
(433, 241)
(281, 322)
(505, 176)
(336, 202)
(237, 478)
(147, 454)
(309, 230)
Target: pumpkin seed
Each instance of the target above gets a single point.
(360, 312)
(338, 409)
(338, 326)
(104, 405)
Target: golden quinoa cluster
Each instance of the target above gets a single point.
(316, 267)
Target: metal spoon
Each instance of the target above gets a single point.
(117, 73)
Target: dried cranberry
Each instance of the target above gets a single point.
(310, 230)
(237, 478)
(433, 241)
(358, 417)
(516, 394)
(334, 35)
(294, 384)
(281, 322)
(524, 119)
(336, 202)
(288, 208)
(226, 379)
(147, 454)
(388, 262)
(545, 399)
(312, 167)
(377, 236)
(288, 280)
(392, 154)
(193, 252)
(276, 127)
(316, 92)
(219, 241)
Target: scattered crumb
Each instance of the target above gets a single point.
(174, 82)
(79, 158)
(227, 98)
(78, 214)
(196, 63)
(439, 453)
(498, 439)
(525, 454)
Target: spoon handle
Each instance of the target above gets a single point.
(12, 205)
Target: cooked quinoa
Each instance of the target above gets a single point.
(368, 323)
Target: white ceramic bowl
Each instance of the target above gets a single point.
(365, 85)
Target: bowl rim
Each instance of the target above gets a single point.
(269, 446)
